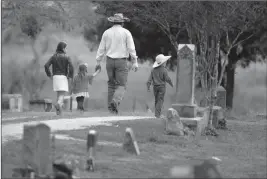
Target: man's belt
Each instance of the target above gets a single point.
(124, 58)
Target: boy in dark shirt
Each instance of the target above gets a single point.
(159, 76)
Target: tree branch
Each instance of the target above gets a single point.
(243, 40)
(234, 41)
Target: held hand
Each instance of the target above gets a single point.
(148, 90)
(91, 77)
(135, 67)
(98, 67)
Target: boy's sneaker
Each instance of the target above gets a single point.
(114, 107)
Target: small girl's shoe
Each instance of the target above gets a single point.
(58, 109)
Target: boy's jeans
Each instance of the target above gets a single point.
(159, 93)
(117, 71)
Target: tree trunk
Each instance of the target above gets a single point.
(177, 71)
(230, 84)
(223, 83)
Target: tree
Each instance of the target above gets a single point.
(30, 17)
(245, 26)
(226, 25)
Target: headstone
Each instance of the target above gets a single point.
(186, 86)
(91, 149)
(12, 102)
(205, 169)
(173, 124)
(221, 97)
(185, 104)
(36, 148)
(130, 144)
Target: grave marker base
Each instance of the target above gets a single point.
(185, 110)
(90, 164)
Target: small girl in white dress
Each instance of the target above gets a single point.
(81, 86)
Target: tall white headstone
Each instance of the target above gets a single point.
(186, 84)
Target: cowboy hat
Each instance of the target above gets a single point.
(160, 59)
(118, 17)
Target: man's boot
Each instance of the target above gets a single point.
(114, 106)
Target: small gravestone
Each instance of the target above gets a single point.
(12, 102)
(36, 149)
(130, 144)
(221, 97)
(91, 149)
(173, 124)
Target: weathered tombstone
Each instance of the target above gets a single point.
(186, 86)
(130, 144)
(91, 149)
(36, 149)
(173, 124)
(221, 97)
(12, 102)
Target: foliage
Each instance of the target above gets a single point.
(219, 29)
(30, 26)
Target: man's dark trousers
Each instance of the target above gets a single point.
(159, 93)
(117, 71)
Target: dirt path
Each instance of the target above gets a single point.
(14, 131)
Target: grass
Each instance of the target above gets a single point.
(242, 150)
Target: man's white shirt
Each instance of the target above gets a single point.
(117, 42)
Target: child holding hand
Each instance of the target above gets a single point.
(81, 83)
(158, 77)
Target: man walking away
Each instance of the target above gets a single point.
(116, 44)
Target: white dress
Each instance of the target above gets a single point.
(84, 94)
(60, 83)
